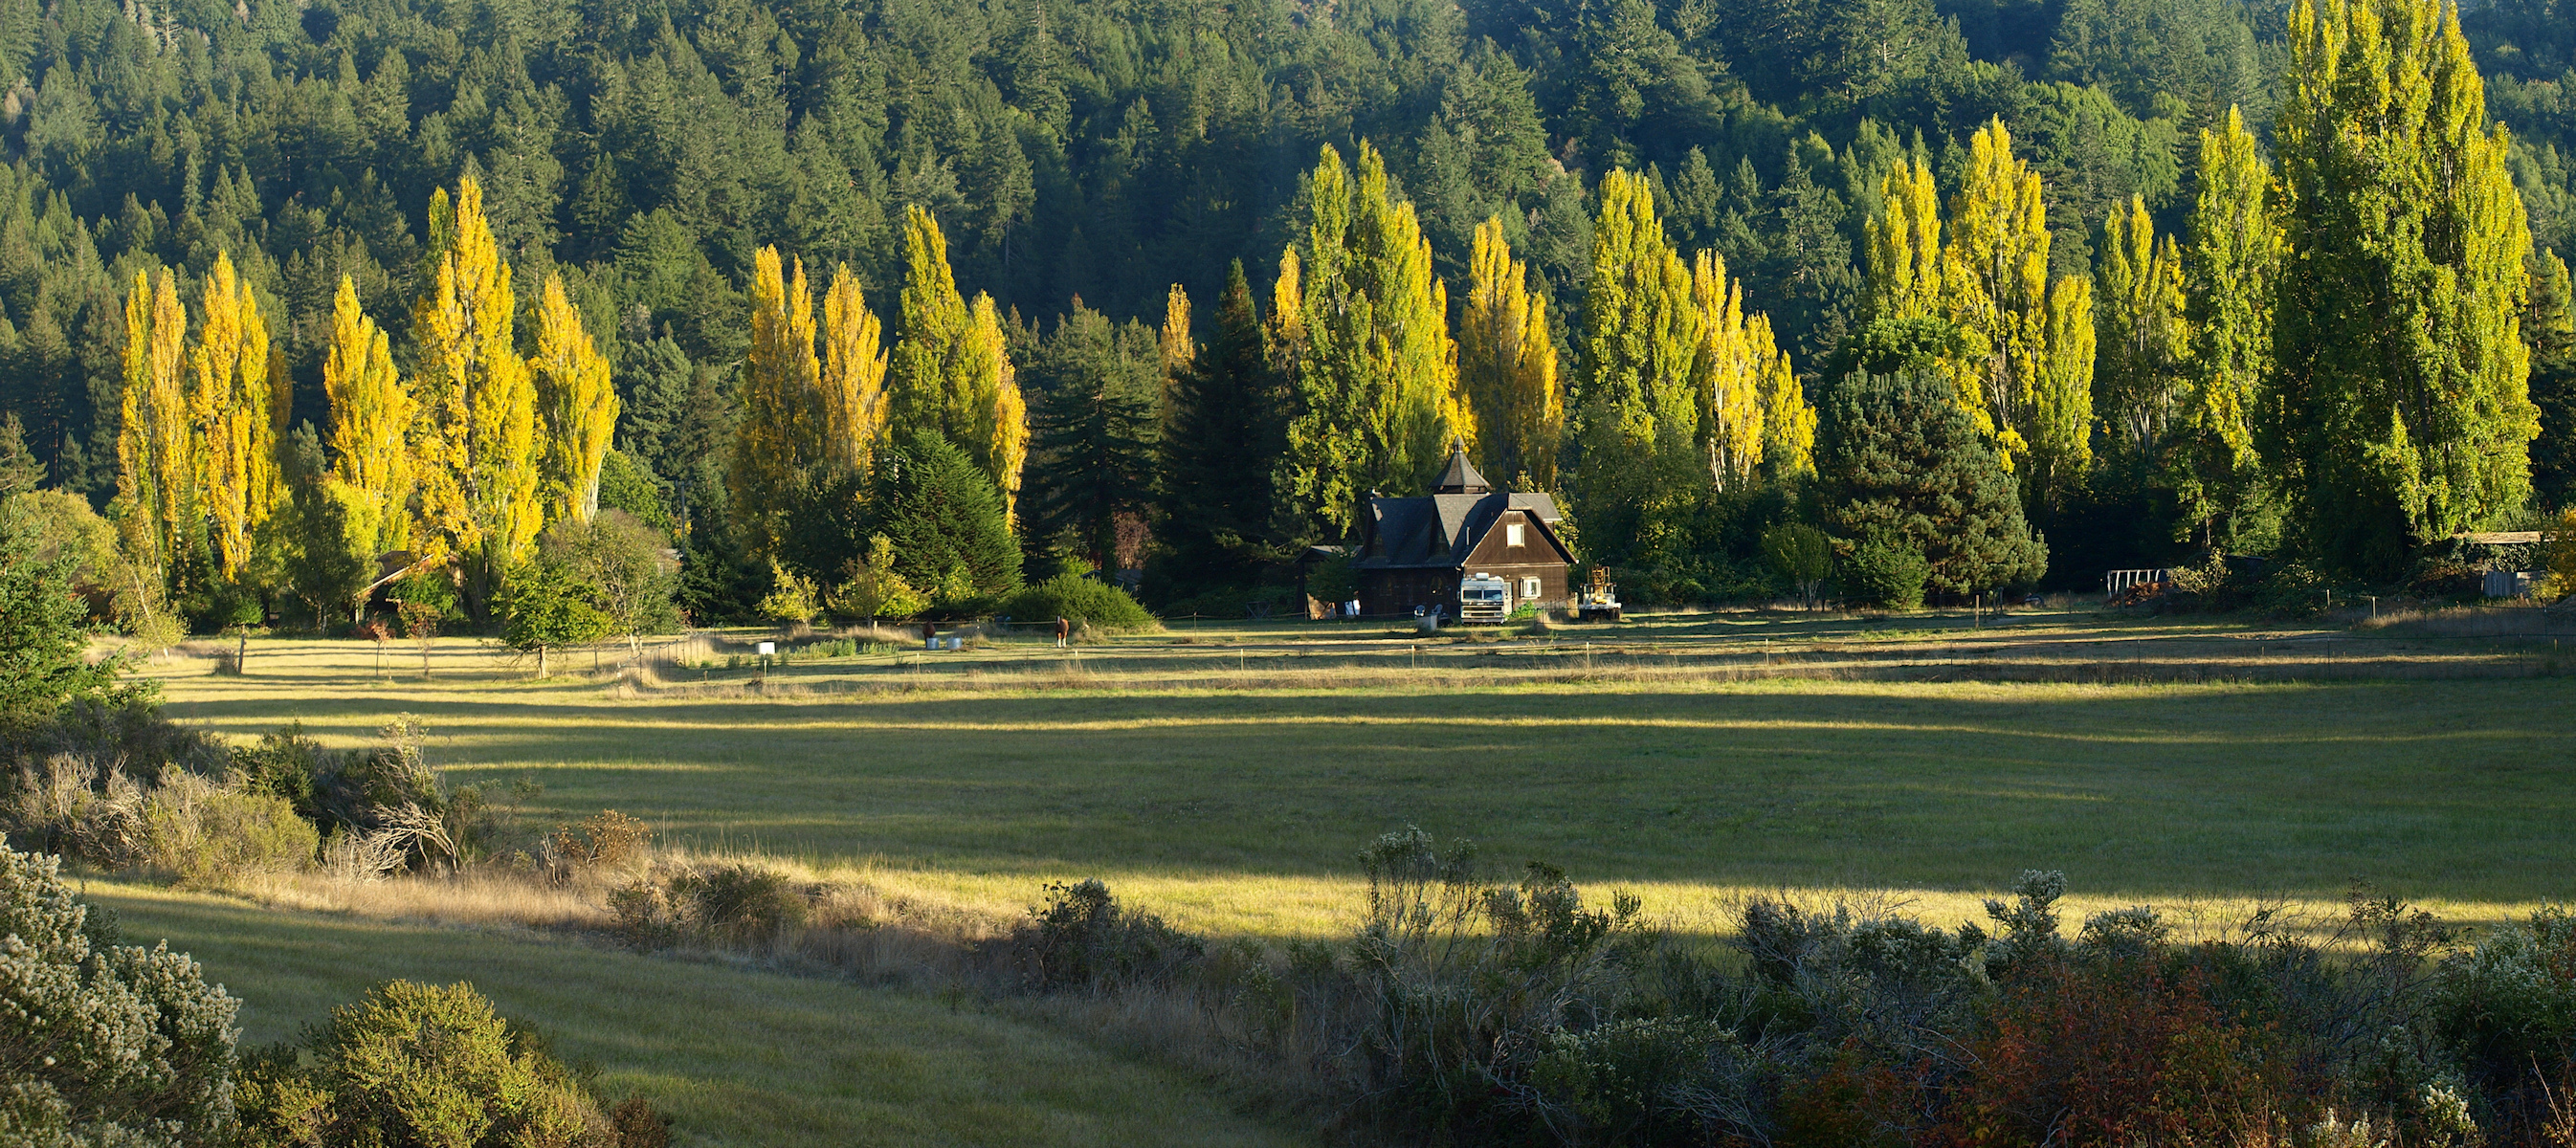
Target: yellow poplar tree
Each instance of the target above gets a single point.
(784, 422)
(1000, 435)
(1175, 346)
(479, 459)
(854, 373)
(950, 371)
(1641, 329)
(1726, 373)
(157, 463)
(2230, 270)
(1420, 407)
(1995, 282)
(234, 431)
(579, 404)
(371, 421)
(1788, 421)
(2143, 337)
(1507, 363)
(1904, 246)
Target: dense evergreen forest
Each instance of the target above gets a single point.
(1098, 168)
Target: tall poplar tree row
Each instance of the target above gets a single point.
(2402, 414)
(950, 372)
(578, 404)
(479, 457)
(1507, 363)
(371, 422)
(2230, 273)
(1373, 370)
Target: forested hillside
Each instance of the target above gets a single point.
(1090, 162)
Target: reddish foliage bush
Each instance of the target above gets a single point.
(2114, 1053)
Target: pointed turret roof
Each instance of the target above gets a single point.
(1460, 476)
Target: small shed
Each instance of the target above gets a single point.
(1413, 551)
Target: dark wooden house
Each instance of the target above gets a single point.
(1413, 551)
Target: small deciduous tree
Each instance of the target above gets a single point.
(545, 605)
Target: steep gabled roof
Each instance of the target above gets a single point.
(1460, 476)
(1441, 530)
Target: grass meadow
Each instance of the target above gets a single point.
(1225, 778)
(735, 1055)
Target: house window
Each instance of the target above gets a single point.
(1529, 586)
(1512, 535)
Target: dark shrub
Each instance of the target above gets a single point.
(1081, 938)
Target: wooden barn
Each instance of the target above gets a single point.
(1413, 551)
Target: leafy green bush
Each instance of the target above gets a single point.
(1084, 600)
(1891, 576)
(101, 1042)
(417, 1064)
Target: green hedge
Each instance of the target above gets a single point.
(1096, 604)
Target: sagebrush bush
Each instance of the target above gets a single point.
(101, 1042)
(1092, 603)
(742, 905)
(204, 834)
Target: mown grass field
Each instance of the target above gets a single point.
(1226, 777)
(736, 1056)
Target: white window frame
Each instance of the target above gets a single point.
(1529, 587)
(1513, 535)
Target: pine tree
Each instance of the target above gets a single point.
(2143, 338)
(2230, 272)
(1902, 466)
(371, 421)
(781, 435)
(1095, 429)
(579, 404)
(853, 374)
(1228, 421)
(478, 471)
(1507, 362)
(233, 435)
(2402, 414)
